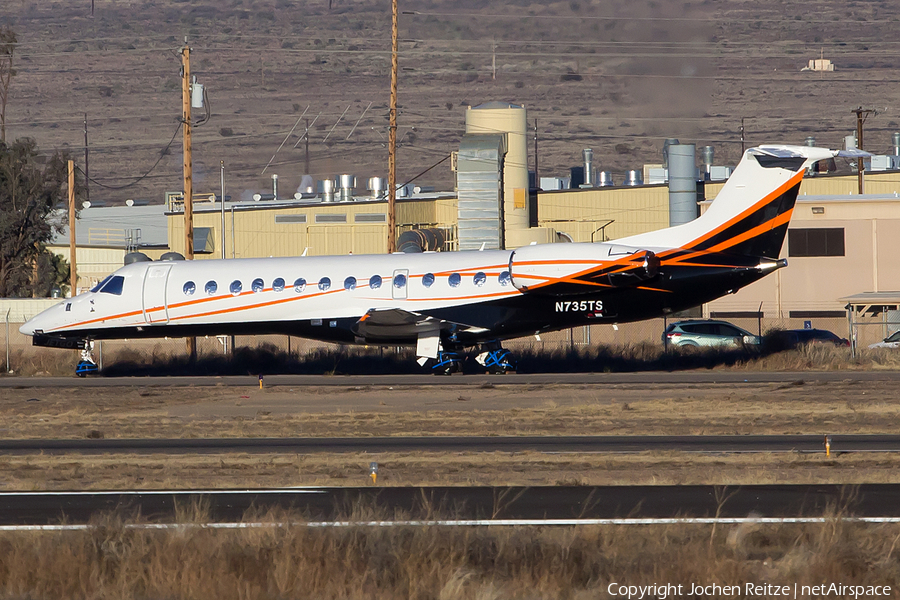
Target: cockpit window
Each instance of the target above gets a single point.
(97, 287)
(113, 285)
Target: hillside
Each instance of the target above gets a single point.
(616, 76)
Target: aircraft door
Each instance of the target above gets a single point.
(155, 307)
(400, 284)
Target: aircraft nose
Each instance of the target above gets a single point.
(28, 327)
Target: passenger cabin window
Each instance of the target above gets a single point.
(211, 287)
(428, 279)
(399, 280)
(278, 285)
(189, 288)
(258, 285)
(454, 279)
(299, 285)
(479, 278)
(324, 283)
(505, 278)
(816, 242)
(375, 282)
(350, 283)
(236, 287)
(113, 285)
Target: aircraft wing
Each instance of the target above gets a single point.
(392, 323)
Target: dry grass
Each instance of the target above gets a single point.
(237, 470)
(111, 560)
(634, 357)
(138, 412)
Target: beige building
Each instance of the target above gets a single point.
(837, 246)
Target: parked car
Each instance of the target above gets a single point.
(891, 341)
(791, 338)
(707, 333)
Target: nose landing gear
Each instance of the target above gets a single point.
(87, 365)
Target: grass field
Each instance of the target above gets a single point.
(293, 561)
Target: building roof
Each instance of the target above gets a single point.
(850, 198)
(873, 298)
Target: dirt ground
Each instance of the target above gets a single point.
(140, 412)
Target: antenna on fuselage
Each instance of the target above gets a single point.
(305, 250)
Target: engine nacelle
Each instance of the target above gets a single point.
(566, 269)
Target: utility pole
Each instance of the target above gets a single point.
(392, 136)
(87, 193)
(73, 270)
(537, 178)
(188, 164)
(188, 170)
(742, 136)
(861, 115)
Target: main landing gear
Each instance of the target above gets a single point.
(446, 363)
(495, 358)
(87, 365)
(490, 356)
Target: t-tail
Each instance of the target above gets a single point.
(750, 215)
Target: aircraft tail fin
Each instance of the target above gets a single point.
(750, 215)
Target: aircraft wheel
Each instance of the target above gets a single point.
(446, 363)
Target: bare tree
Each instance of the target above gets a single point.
(7, 49)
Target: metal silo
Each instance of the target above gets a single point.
(504, 118)
(682, 184)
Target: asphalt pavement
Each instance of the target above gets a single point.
(487, 503)
(649, 377)
(546, 444)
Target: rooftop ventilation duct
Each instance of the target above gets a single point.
(587, 156)
(326, 190)
(605, 179)
(895, 141)
(634, 177)
(376, 187)
(347, 185)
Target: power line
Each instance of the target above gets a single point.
(145, 175)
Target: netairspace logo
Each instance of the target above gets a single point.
(661, 591)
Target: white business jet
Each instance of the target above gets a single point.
(445, 303)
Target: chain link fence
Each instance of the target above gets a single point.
(23, 358)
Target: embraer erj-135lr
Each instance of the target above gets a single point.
(447, 302)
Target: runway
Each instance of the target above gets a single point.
(646, 378)
(555, 505)
(545, 444)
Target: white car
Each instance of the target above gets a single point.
(891, 341)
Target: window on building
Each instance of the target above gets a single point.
(211, 287)
(278, 285)
(479, 278)
(428, 279)
(350, 283)
(375, 282)
(236, 287)
(257, 285)
(189, 288)
(816, 242)
(454, 279)
(324, 283)
(299, 285)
